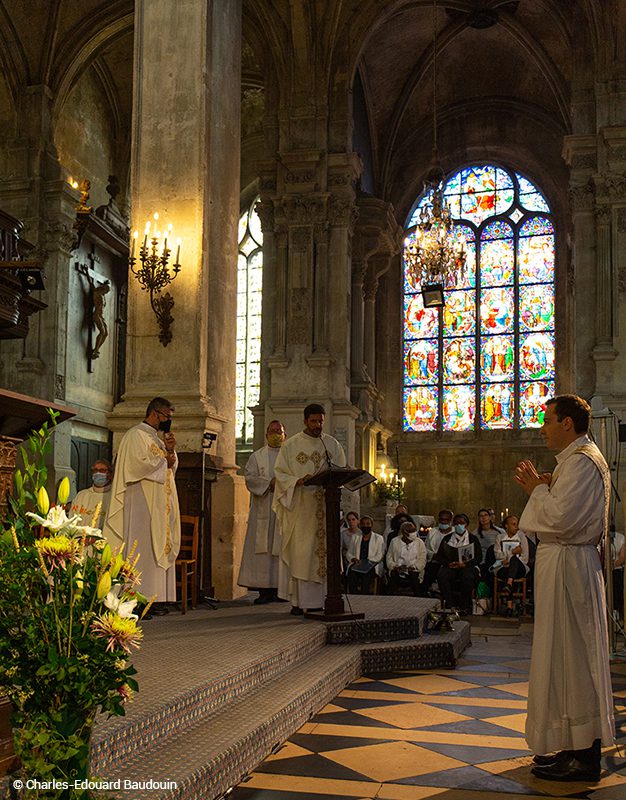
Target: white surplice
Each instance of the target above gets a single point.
(144, 507)
(86, 502)
(261, 550)
(570, 701)
(301, 513)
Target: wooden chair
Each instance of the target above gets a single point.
(518, 593)
(187, 560)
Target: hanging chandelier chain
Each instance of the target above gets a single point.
(435, 251)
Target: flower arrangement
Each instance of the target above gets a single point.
(67, 627)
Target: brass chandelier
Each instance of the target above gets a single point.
(435, 252)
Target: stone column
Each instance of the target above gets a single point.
(185, 166)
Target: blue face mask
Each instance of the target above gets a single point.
(459, 529)
(100, 479)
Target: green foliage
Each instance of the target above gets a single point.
(64, 648)
(388, 491)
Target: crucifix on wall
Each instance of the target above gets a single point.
(95, 309)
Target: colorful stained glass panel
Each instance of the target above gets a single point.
(467, 281)
(419, 322)
(496, 310)
(459, 360)
(420, 408)
(497, 262)
(459, 408)
(421, 361)
(497, 406)
(497, 358)
(537, 357)
(536, 259)
(532, 402)
(459, 314)
(530, 197)
(536, 307)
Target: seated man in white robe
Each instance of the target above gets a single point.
(95, 497)
(144, 502)
(261, 550)
(301, 511)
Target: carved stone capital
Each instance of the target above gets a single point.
(603, 215)
(616, 186)
(265, 210)
(342, 211)
(582, 197)
(304, 209)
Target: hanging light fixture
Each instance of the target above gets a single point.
(435, 252)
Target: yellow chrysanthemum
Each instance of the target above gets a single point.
(58, 550)
(122, 632)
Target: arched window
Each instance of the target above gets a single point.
(249, 293)
(486, 360)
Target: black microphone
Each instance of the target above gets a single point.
(328, 459)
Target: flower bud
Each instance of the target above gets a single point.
(117, 565)
(43, 501)
(104, 586)
(79, 583)
(63, 492)
(105, 560)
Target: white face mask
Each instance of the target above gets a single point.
(411, 535)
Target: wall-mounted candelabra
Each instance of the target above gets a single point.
(154, 272)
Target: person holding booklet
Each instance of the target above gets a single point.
(460, 555)
(511, 552)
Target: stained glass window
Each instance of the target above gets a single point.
(249, 292)
(487, 359)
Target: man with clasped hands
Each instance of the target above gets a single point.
(570, 703)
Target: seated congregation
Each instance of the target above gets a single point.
(488, 568)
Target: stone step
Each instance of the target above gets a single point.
(216, 753)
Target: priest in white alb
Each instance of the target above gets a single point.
(261, 550)
(144, 502)
(570, 702)
(301, 511)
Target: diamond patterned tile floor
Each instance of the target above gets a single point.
(449, 734)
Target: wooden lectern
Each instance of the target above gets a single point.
(332, 480)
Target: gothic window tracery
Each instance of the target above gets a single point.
(249, 294)
(487, 359)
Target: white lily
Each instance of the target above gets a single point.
(123, 608)
(56, 519)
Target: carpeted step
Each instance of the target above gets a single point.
(180, 687)
(430, 651)
(216, 753)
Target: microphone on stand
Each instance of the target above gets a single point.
(328, 459)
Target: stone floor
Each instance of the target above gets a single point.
(450, 734)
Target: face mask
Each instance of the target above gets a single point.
(411, 535)
(100, 479)
(365, 531)
(444, 526)
(459, 528)
(165, 425)
(274, 439)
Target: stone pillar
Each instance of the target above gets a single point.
(185, 166)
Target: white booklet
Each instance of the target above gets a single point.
(466, 552)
